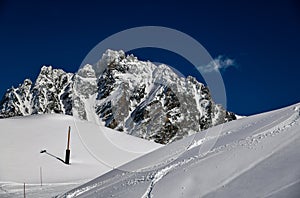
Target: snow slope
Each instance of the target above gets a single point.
(256, 156)
(22, 139)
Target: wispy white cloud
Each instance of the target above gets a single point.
(219, 63)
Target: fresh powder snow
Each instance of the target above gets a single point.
(255, 156)
(23, 139)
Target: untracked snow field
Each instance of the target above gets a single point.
(256, 156)
(95, 150)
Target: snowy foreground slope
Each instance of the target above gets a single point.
(257, 156)
(22, 139)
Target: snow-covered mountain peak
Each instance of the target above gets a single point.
(48, 75)
(87, 71)
(46, 69)
(27, 82)
(123, 93)
(107, 59)
(153, 102)
(26, 86)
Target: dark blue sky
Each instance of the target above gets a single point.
(262, 38)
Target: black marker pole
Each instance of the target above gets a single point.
(67, 160)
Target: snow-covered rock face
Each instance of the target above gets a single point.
(152, 102)
(108, 57)
(123, 93)
(51, 92)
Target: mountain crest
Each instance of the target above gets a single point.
(137, 97)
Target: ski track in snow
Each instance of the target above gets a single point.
(158, 176)
(248, 141)
(117, 182)
(282, 188)
(252, 141)
(271, 129)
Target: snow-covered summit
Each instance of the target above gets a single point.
(87, 71)
(153, 102)
(123, 93)
(107, 58)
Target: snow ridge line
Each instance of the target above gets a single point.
(259, 121)
(203, 140)
(256, 138)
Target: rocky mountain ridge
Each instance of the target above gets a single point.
(123, 93)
